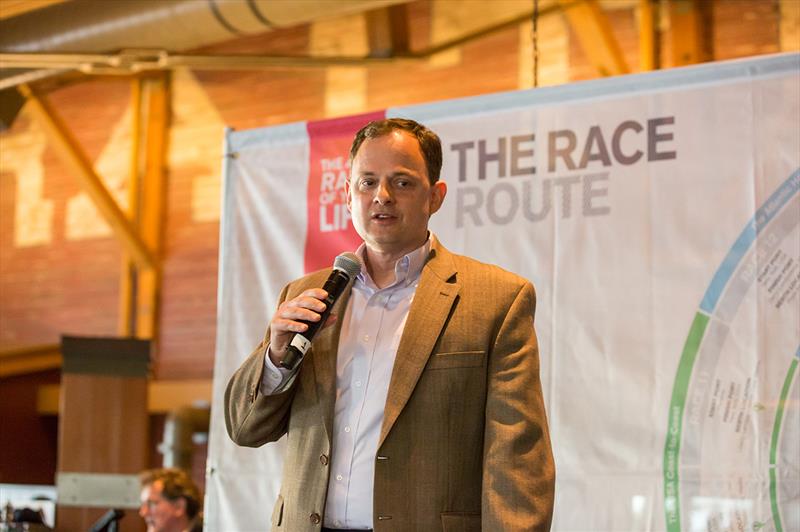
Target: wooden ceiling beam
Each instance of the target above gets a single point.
(12, 8)
(31, 359)
(162, 396)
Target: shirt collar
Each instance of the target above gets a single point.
(407, 269)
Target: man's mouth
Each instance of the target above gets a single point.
(382, 216)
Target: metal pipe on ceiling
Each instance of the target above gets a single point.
(109, 26)
(173, 25)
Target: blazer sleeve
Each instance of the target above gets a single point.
(251, 418)
(518, 467)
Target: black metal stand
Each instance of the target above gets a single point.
(109, 522)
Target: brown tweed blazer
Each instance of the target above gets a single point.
(464, 444)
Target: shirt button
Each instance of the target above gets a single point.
(338, 477)
(315, 518)
(358, 384)
(347, 429)
(323, 459)
(366, 338)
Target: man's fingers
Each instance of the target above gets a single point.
(307, 302)
(307, 306)
(289, 318)
(299, 313)
(312, 296)
(283, 325)
(317, 293)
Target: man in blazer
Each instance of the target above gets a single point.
(460, 442)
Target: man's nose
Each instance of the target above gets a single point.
(383, 195)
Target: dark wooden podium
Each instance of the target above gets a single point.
(103, 430)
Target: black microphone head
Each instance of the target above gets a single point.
(349, 263)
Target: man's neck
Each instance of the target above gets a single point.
(381, 266)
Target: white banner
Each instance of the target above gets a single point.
(658, 216)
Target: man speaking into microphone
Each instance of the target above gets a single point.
(418, 406)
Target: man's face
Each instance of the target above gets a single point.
(161, 514)
(389, 195)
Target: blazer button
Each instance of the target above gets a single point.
(323, 459)
(315, 518)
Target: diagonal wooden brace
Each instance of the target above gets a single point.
(71, 153)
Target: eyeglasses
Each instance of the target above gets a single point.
(151, 503)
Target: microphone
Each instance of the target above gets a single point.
(345, 267)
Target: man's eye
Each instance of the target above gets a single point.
(402, 183)
(366, 183)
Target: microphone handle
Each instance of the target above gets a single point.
(292, 358)
(301, 342)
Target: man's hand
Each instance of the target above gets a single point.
(308, 306)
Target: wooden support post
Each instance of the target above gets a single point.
(388, 31)
(593, 29)
(127, 295)
(156, 105)
(140, 286)
(70, 151)
(649, 36)
(789, 25)
(692, 31)
(103, 429)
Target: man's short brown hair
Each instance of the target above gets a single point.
(429, 142)
(176, 484)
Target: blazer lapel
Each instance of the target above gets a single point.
(433, 300)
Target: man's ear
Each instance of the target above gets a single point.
(347, 194)
(438, 192)
(180, 505)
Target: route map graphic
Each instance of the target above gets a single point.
(732, 450)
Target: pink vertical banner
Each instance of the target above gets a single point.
(330, 231)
